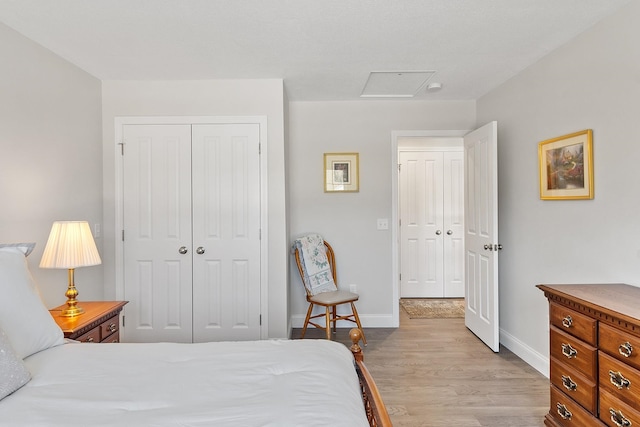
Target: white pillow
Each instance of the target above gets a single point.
(24, 318)
(25, 248)
(13, 373)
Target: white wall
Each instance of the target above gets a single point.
(592, 82)
(50, 155)
(348, 220)
(207, 98)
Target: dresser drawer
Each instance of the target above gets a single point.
(567, 412)
(92, 336)
(616, 413)
(575, 385)
(573, 352)
(621, 380)
(574, 323)
(620, 344)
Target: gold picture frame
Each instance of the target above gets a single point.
(566, 167)
(341, 172)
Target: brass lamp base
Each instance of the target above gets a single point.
(71, 294)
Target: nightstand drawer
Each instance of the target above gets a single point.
(92, 336)
(109, 327)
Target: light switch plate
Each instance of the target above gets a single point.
(383, 224)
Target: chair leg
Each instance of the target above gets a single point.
(306, 321)
(334, 319)
(328, 321)
(355, 314)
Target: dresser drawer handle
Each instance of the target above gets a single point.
(564, 412)
(568, 383)
(619, 419)
(112, 327)
(618, 380)
(567, 322)
(90, 339)
(569, 351)
(625, 349)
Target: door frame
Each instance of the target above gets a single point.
(395, 194)
(261, 121)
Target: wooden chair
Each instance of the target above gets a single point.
(329, 300)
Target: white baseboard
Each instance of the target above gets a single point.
(536, 360)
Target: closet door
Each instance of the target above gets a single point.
(421, 224)
(453, 218)
(157, 232)
(226, 232)
(431, 224)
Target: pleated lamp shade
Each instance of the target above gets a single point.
(70, 245)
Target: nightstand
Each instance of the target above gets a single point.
(99, 323)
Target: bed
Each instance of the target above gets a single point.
(47, 381)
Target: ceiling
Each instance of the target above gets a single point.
(323, 49)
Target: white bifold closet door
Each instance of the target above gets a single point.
(431, 224)
(192, 232)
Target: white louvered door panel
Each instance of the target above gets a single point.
(226, 228)
(157, 223)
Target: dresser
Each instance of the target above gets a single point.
(594, 355)
(100, 322)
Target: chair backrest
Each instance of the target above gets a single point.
(330, 257)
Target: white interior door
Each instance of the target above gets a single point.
(157, 224)
(481, 234)
(226, 232)
(421, 224)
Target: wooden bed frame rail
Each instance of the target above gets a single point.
(374, 406)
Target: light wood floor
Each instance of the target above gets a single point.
(436, 373)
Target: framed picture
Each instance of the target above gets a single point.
(341, 172)
(566, 167)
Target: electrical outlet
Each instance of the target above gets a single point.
(353, 289)
(383, 224)
(97, 231)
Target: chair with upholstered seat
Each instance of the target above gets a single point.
(329, 298)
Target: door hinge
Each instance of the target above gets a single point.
(400, 277)
(121, 144)
(259, 233)
(261, 320)
(123, 321)
(123, 235)
(399, 167)
(259, 148)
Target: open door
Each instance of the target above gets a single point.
(481, 234)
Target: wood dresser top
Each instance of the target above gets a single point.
(612, 299)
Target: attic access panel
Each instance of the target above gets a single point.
(395, 84)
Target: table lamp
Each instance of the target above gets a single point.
(70, 246)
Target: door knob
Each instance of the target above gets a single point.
(182, 250)
(200, 250)
(438, 232)
(488, 247)
(449, 232)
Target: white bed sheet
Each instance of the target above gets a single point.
(258, 383)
